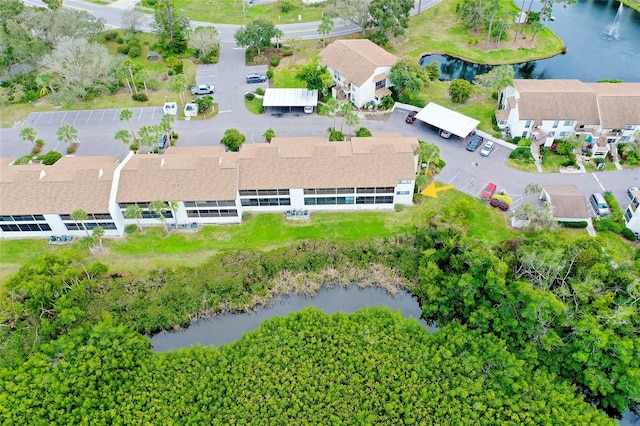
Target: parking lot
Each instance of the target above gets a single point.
(150, 115)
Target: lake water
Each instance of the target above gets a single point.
(592, 53)
(225, 329)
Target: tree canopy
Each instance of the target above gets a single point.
(315, 76)
(256, 35)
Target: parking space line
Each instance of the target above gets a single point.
(52, 115)
(153, 113)
(38, 119)
(77, 115)
(116, 115)
(90, 113)
(468, 183)
(63, 117)
(102, 118)
(140, 116)
(454, 176)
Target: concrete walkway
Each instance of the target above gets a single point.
(535, 153)
(123, 4)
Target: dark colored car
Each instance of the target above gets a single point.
(411, 117)
(475, 143)
(162, 142)
(255, 77)
(488, 191)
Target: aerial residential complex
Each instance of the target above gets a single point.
(207, 184)
(546, 109)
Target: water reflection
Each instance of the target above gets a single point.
(229, 328)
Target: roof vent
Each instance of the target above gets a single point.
(42, 174)
(162, 162)
(100, 173)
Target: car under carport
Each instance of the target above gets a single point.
(448, 120)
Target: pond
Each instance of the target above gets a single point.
(602, 43)
(225, 329)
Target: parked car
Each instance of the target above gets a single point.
(630, 191)
(162, 142)
(486, 149)
(444, 134)
(599, 204)
(488, 191)
(255, 77)
(475, 143)
(308, 109)
(411, 117)
(203, 89)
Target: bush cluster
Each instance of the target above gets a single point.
(577, 224)
(140, 97)
(249, 96)
(522, 153)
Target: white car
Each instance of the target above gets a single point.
(486, 149)
(203, 89)
(308, 109)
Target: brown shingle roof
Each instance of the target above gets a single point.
(556, 100)
(619, 104)
(568, 201)
(71, 183)
(181, 174)
(316, 163)
(357, 59)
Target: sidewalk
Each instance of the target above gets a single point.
(123, 4)
(535, 153)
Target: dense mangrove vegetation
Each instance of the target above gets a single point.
(531, 331)
(372, 367)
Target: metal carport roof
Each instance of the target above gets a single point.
(290, 98)
(446, 119)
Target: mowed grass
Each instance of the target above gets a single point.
(155, 249)
(439, 30)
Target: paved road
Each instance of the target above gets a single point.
(308, 30)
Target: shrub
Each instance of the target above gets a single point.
(111, 35)
(387, 102)
(335, 135)
(134, 147)
(249, 96)
(525, 142)
(50, 157)
(178, 69)
(140, 97)
(172, 61)
(260, 91)
(269, 74)
(629, 234)
(275, 61)
(171, 71)
(606, 224)
(522, 153)
(460, 90)
(363, 132)
(577, 224)
(174, 135)
(287, 52)
(135, 51)
(119, 40)
(36, 149)
(152, 2)
(124, 49)
(286, 6)
(71, 149)
(130, 229)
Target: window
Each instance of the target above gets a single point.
(629, 127)
(25, 227)
(625, 139)
(22, 218)
(528, 124)
(403, 181)
(628, 215)
(555, 124)
(365, 200)
(568, 123)
(143, 205)
(212, 213)
(525, 133)
(564, 134)
(403, 192)
(380, 84)
(271, 201)
(502, 122)
(88, 226)
(220, 203)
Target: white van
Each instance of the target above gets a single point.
(599, 204)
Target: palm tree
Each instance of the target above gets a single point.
(124, 136)
(179, 84)
(269, 134)
(98, 233)
(134, 212)
(29, 134)
(78, 216)
(428, 152)
(352, 120)
(67, 133)
(158, 208)
(332, 105)
(126, 115)
(173, 206)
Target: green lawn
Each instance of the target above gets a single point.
(154, 249)
(438, 30)
(521, 165)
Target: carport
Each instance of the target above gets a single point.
(282, 98)
(448, 120)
